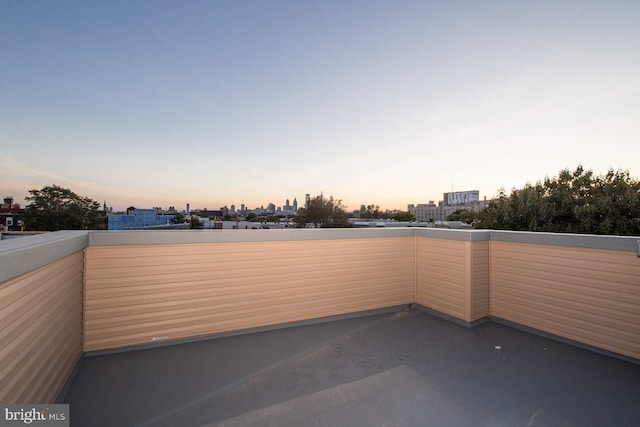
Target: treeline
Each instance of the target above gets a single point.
(57, 208)
(576, 201)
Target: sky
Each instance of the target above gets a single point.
(213, 103)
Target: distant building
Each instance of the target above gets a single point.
(137, 218)
(211, 214)
(9, 213)
(453, 201)
(430, 212)
(461, 198)
(287, 209)
(290, 209)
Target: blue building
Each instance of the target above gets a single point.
(139, 218)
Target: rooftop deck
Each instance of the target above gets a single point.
(404, 368)
(231, 327)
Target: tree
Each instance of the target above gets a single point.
(252, 217)
(196, 223)
(403, 217)
(572, 202)
(370, 212)
(56, 208)
(178, 218)
(323, 212)
(463, 215)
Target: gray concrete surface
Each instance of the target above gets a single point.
(399, 369)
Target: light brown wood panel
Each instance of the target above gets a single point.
(587, 295)
(313, 258)
(586, 284)
(136, 293)
(609, 304)
(247, 270)
(608, 256)
(441, 276)
(530, 265)
(596, 260)
(166, 322)
(479, 303)
(619, 322)
(239, 319)
(124, 315)
(549, 320)
(23, 341)
(238, 250)
(215, 299)
(40, 330)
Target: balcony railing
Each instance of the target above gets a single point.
(67, 293)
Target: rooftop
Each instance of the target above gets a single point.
(401, 368)
(377, 326)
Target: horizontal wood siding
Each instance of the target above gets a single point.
(479, 280)
(441, 276)
(40, 330)
(587, 295)
(136, 293)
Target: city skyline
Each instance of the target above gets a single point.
(378, 102)
(289, 205)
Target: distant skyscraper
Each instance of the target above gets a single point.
(295, 204)
(307, 197)
(188, 209)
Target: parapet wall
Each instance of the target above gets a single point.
(141, 294)
(584, 294)
(40, 315)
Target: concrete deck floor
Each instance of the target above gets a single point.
(395, 369)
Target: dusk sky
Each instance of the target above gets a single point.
(213, 103)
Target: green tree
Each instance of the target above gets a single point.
(403, 216)
(252, 217)
(179, 218)
(56, 208)
(463, 215)
(323, 212)
(573, 202)
(196, 223)
(370, 212)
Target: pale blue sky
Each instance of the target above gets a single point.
(158, 103)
